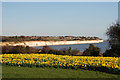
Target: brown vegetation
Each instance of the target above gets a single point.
(45, 38)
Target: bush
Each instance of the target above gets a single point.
(46, 49)
(18, 49)
(69, 50)
(111, 52)
(74, 52)
(92, 51)
(64, 51)
(54, 52)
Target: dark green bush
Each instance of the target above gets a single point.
(92, 51)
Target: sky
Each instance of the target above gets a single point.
(58, 18)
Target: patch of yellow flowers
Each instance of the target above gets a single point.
(60, 60)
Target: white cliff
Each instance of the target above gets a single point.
(43, 43)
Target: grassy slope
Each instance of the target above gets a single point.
(26, 72)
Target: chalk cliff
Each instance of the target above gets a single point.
(43, 43)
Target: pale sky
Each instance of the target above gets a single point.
(58, 18)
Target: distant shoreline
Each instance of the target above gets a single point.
(44, 43)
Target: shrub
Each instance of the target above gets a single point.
(18, 49)
(92, 51)
(74, 52)
(69, 50)
(46, 49)
(64, 51)
(111, 52)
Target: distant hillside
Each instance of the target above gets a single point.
(46, 38)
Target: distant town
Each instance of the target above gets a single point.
(46, 38)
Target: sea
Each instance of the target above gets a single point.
(81, 47)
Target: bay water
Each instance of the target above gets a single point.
(102, 45)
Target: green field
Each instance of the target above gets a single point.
(37, 72)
